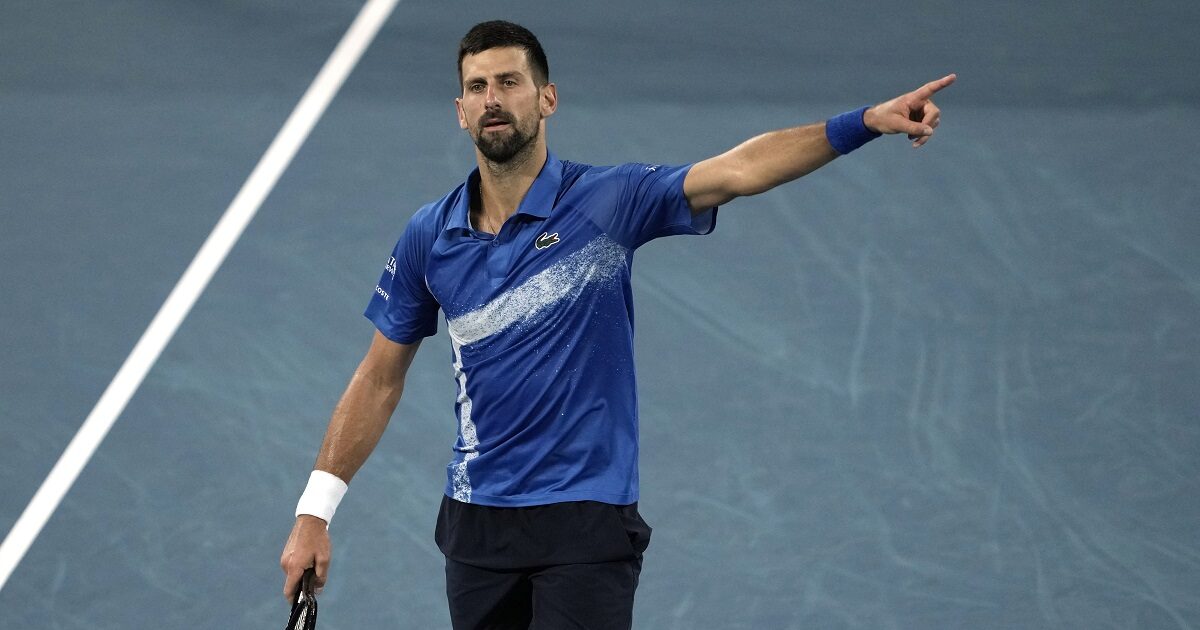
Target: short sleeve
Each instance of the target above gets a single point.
(402, 308)
(653, 204)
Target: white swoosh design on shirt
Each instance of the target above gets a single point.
(598, 261)
(466, 426)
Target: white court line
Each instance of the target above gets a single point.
(172, 313)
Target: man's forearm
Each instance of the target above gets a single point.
(758, 165)
(777, 157)
(358, 422)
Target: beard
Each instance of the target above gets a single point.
(502, 147)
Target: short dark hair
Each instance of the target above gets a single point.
(501, 34)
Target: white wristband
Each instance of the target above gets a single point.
(321, 496)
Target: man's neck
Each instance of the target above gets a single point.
(503, 186)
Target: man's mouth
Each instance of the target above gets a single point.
(494, 124)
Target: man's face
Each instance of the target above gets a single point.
(501, 106)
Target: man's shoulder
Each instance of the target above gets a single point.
(579, 168)
(572, 171)
(435, 215)
(591, 175)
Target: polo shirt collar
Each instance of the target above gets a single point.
(537, 202)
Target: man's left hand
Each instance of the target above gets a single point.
(913, 113)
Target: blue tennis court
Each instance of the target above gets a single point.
(956, 387)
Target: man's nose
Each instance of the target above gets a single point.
(491, 99)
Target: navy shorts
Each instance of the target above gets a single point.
(558, 566)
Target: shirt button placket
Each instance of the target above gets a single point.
(495, 262)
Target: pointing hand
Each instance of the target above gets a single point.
(912, 113)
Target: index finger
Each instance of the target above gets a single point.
(933, 87)
(291, 584)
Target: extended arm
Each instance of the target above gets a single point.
(766, 161)
(357, 424)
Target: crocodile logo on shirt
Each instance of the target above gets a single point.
(546, 240)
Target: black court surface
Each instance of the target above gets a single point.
(955, 387)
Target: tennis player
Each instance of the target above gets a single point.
(529, 259)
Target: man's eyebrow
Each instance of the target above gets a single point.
(501, 76)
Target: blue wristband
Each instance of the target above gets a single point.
(846, 132)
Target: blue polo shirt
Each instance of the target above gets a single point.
(540, 317)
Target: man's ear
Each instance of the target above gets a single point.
(462, 116)
(548, 99)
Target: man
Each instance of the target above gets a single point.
(530, 260)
